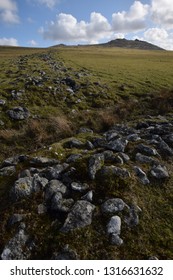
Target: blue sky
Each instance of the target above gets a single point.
(42, 23)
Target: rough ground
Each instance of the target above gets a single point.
(100, 188)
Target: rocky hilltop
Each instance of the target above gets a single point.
(131, 44)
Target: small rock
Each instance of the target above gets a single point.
(147, 150)
(88, 196)
(114, 225)
(2, 102)
(54, 186)
(141, 175)
(117, 145)
(7, 171)
(79, 187)
(22, 188)
(144, 159)
(42, 161)
(133, 218)
(15, 218)
(73, 158)
(113, 205)
(116, 240)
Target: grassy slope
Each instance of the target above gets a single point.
(142, 74)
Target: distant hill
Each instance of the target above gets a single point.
(131, 44)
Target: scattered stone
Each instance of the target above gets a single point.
(74, 143)
(116, 240)
(66, 254)
(147, 150)
(114, 225)
(141, 175)
(18, 247)
(60, 204)
(42, 161)
(108, 171)
(53, 187)
(41, 209)
(95, 163)
(39, 183)
(159, 172)
(88, 196)
(79, 216)
(133, 219)
(144, 159)
(18, 113)
(2, 102)
(22, 188)
(73, 158)
(117, 145)
(113, 205)
(79, 187)
(85, 130)
(7, 171)
(165, 149)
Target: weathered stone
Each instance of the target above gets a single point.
(79, 216)
(54, 186)
(18, 113)
(159, 172)
(114, 225)
(22, 188)
(95, 163)
(74, 143)
(60, 204)
(133, 219)
(2, 102)
(147, 150)
(141, 175)
(42, 161)
(88, 196)
(42, 209)
(124, 156)
(133, 137)
(39, 183)
(85, 130)
(117, 145)
(54, 172)
(73, 158)
(113, 205)
(111, 134)
(79, 187)
(15, 218)
(108, 171)
(144, 159)
(116, 240)
(165, 149)
(66, 254)
(7, 171)
(18, 247)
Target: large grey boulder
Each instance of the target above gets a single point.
(117, 145)
(79, 216)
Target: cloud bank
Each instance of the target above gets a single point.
(8, 42)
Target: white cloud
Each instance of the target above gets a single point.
(32, 43)
(8, 11)
(67, 28)
(162, 13)
(159, 37)
(132, 21)
(48, 3)
(8, 42)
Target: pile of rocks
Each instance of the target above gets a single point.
(139, 151)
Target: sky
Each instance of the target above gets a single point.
(43, 23)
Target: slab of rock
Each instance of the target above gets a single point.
(144, 159)
(116, 239)
(79, 187)
(88, 196)
(79, 216)
(43, 161)
(147, 150)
